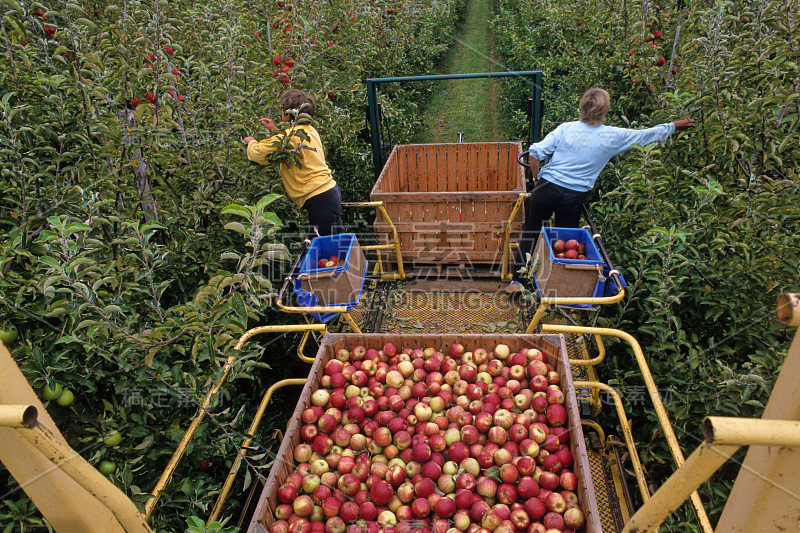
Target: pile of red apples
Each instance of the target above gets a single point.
(416, 440)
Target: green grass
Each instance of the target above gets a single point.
(470, 106)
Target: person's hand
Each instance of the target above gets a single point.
(684, 124)
(268, 123)
(248, 139)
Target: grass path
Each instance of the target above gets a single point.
(469, 106)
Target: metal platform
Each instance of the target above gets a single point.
(608, 490)
(441, 306)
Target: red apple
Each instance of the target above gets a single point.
(553, 520)
(548, 480)
(506, 493)
(573, 518)
(287, 493)
(568, 480)
(445, 508)
(381, 492)
(421, 508)
(424, 487)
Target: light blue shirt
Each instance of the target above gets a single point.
(579, 152)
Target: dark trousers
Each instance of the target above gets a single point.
(325, 211)
(547, 198)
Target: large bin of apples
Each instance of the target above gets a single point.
(431, 433)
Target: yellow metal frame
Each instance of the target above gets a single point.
(507, 239)
(394, 245)
(546, 302)
(341, 309)
(655, 397)
(177, 455)
(242, 452)
(723, 437)
(595, 426)
(626, 432)
(69, 492)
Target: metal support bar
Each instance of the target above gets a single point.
(703, 462)
(395, 244)
(251, 431)
(626, 432)
(301, 348)
(71, 463)
(595, 426)
(601, 348)
(507, 239)
(535, 103)
(548, 301)
(788, 310)
(751, 431)
(18, 416)
(658, 405)
(201, 412)
(350, 322)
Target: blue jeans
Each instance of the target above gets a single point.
(546, 199)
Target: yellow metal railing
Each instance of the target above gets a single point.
(723, 437)
(394, 245)
(256, 422)
(546, 302)
(507, 239)
(655, 397)
(177, 455)
(24, 418)
(242, 452)
(626, 432)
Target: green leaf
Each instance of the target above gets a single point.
(49, 261)
(235, 209)
(237, 227)
(266, 200)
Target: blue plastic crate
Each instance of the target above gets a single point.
(579, 234)
(339, 285)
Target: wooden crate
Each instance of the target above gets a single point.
(553, 346)
(450, 202)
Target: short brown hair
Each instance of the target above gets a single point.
(295, 98)
(594, 106)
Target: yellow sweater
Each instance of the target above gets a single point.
(300, 183)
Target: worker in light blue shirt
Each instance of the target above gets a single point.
(578, 152)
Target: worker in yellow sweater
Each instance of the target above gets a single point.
(310, 185)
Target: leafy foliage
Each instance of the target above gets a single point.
(701, 227)
(140, 243)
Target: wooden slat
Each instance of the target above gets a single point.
(453, 172)
(402, 169)
(472, 169)
(482, 162)
(493, 167)
(462, 161)
(504, 168)
(518, 175)
(495, 196)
